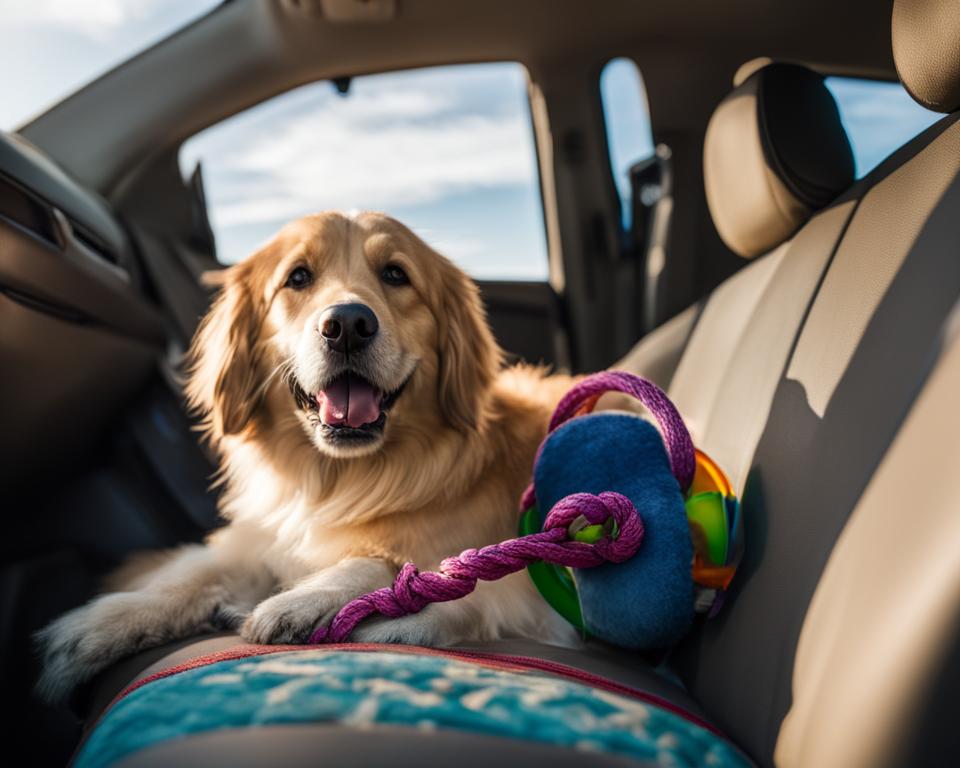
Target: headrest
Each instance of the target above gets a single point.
(775, 152)
(926, 50)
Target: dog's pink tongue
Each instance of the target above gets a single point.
(349, 400)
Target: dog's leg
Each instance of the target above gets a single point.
(196, 589)
(292, 616)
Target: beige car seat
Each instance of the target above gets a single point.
(824, 377)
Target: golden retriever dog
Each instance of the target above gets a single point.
(348, 381)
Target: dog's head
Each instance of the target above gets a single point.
(353, 327)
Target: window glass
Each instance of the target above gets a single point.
(70, 42)
(627, 120)
(449, 151)
(879, 117)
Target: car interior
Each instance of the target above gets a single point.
(803, 320)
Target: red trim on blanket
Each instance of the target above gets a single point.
(499, 661)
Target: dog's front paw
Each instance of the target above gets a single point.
(291, 617)
(87, 640)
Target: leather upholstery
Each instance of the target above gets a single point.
(775, 151)
(729, 422)
(898, 274)
(879, 632)
(890, 217)
(714, 342)
(926, 51)
(659, 354)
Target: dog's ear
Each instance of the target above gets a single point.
(222, 369)
(469, 355)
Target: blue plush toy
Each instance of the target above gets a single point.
(691, 540)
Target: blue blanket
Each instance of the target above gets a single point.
(419, 691)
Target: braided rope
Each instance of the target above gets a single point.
(412, 590)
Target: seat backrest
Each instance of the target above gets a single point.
(810, 377)
(868, 414)
(767, 168)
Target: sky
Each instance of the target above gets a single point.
(626, 116)
(449, 151)
(50, 48)
(879, 117)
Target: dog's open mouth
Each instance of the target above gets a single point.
(349, 401)
(349, 408)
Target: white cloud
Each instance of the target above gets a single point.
(371, 150)
(448, 151)
(95, 18)
(67, 43)
(456, 247)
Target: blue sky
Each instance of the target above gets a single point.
(56, 46)
(627, 117)
(878, 116)
(449, 151)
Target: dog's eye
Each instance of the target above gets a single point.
(301, 277)
(394, 275)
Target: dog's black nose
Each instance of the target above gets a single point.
(348, 327)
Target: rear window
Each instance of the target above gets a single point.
(627, 121)
(449, 151)
(879, 117)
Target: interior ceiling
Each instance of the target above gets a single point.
(248, 50)
(851, 34)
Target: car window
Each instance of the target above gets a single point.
(82, 40)
(448, 150)
(627, 121)
(879, 118)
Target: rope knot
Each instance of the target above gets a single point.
(407, 598)
(599, 509)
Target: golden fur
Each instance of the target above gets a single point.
(312, 525)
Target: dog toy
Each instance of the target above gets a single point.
(692, 539)
(610, 483)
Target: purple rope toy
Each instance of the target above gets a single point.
(412, 591)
